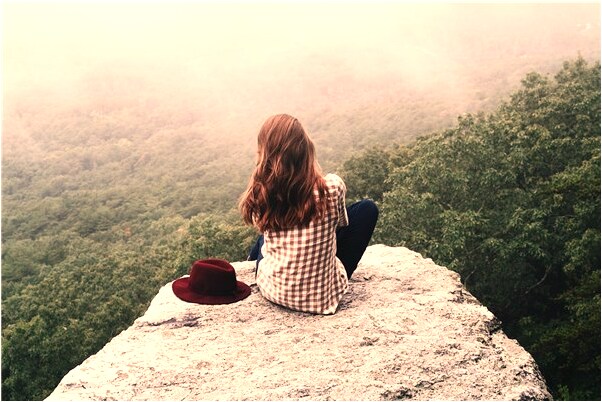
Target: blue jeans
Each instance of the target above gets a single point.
(352, 240)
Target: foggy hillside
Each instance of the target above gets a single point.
(361, 73)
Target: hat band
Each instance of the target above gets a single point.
(202, 290)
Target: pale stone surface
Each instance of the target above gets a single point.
(405, 330)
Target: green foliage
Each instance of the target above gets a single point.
(97, 202)
(224, 237)
(511, 200)
(77, 293)
(365, 174)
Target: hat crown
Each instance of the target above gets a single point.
(213, 277)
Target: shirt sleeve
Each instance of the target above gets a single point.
(343, 219)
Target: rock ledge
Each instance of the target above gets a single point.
(405, 330)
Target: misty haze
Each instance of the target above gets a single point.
(217, 71)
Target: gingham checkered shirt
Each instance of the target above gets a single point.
(299, 269)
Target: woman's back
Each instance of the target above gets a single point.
(300, 269)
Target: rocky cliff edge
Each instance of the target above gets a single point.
(406, 329)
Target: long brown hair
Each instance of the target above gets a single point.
(280, 194)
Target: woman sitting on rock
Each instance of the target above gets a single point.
(311, 243)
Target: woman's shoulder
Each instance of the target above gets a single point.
(334, 181)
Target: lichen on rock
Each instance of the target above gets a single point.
(406, 329)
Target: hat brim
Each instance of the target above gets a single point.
(183, 292)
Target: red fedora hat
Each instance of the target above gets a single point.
(211, 281)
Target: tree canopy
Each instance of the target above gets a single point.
(511, 201)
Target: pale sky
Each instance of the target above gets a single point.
(293, 52)
(40, 38)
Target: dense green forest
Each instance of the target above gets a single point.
(511, 201)
(102, 205)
